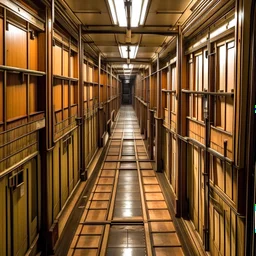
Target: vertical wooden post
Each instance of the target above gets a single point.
(5, 72)
(83, 172)
(158, 122)
(46, 135)
(100, 109)
(181, 122)
(150, 117)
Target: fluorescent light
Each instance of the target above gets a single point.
(128, 66)
(143, 12)
(133, 51)
(136, 10)
(123, 52)
(120, 11)
(113, 12)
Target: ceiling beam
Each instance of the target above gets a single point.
(134, 31)
(133, 61)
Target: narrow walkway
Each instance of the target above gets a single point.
(126, 213)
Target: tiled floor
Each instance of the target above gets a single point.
(126, 213)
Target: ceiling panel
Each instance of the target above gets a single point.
(152, 39)
(94, 18)
(122, 38)
(162, 19)
(169, 5)
(88, 5)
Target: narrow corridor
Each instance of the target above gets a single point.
(126, 213)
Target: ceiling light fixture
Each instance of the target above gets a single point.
(127, 66)
(143, 12)
(124, 51)
(113, 11)
(133, 51)
(118, 10)
(136, 10)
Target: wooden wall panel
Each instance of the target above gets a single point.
(91, 92)
(76, 158)
(33, 53)
(217, 142)
(1, 40)
(65, 63)
(57, 95)
(33, 95)
(3, 217)
(16, 97)
(199, 85)
(230, 87)
(74, 94)
(173, 87)
(1, 97)
(66, 94)
(57, 60)
(85, 72)
(16, 47)
(220, 114)
(56, 180)
(64, 176)
(73, 65)
(90, 73)
(41, 54)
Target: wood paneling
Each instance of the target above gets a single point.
(1, 40)
(57, 95)
(1, 98)
(16, 97)
(65, 63)
(33, 100)
(16, 47)
(33, 53)
(66, 94)
(73, 94)
(57, 60)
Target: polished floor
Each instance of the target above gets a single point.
(126, 214)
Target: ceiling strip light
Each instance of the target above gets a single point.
(123, 51)
(120, 12)
(136, 11)
(133, 51)
(143, 12)
(113, 12)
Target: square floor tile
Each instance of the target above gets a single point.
(87, 252)
(103, 188)
(98, 204)
(159, 215)
(165, 226)
(154, 196)
(101, 196)
(152, 188)
(156, 205)
(92, 230)
(169, 251)
(165, 239)
(96, 215)
(88, 241)
(150, 180)
(106, 181)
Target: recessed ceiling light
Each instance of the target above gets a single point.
(143, 12)
(136, 11)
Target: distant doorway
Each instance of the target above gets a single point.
(127, 94)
